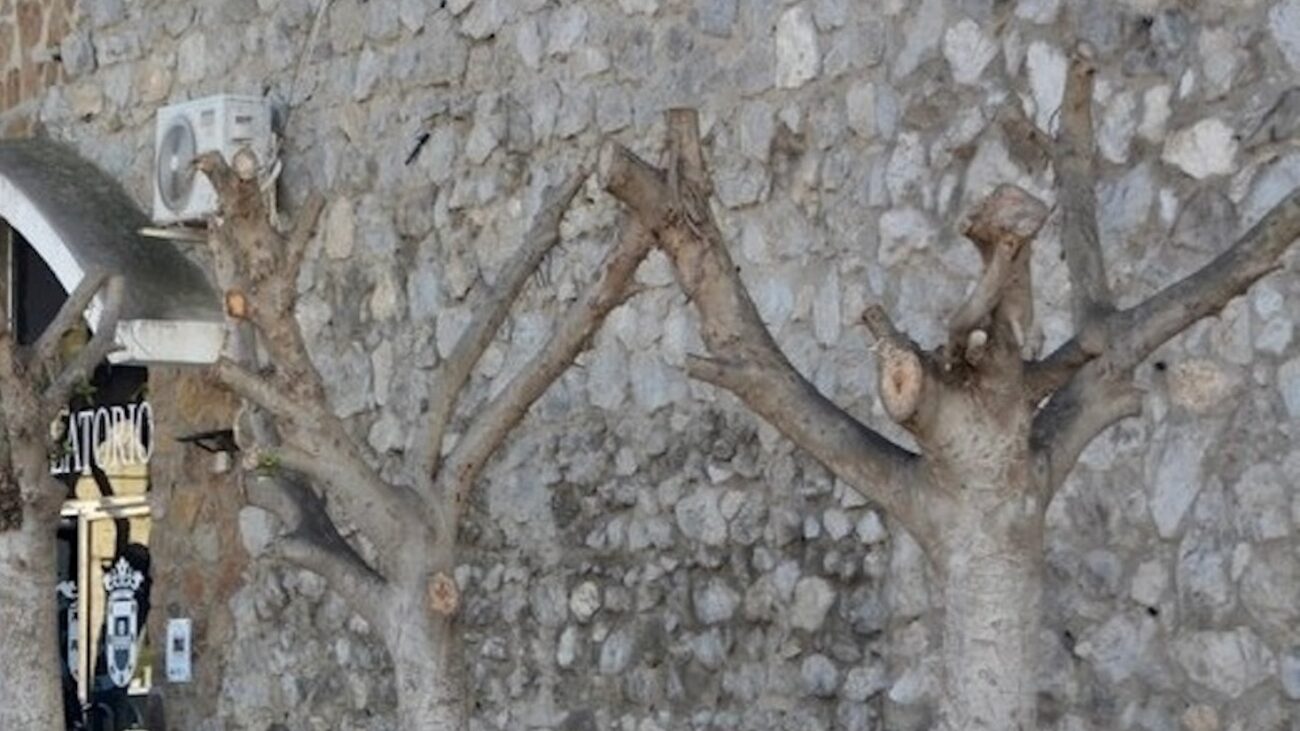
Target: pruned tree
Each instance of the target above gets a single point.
(36, 383)
(298, 455)
(997, 435)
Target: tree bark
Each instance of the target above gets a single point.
(31, 696)
(992, 575)
(429, 668)
(992, 450)
(298, 455)
(34, 384)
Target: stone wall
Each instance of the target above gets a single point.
(31, 53)
(646, 555)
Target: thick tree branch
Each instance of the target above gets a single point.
(363, 590)
(304, 226)
(300, 509)
(721, 373)
(45, 351)
(1108, 348)
(378, 508)
(1145, 327)
(243, 350)
(315, 450)
(238, 192)
(1044, 377)
(908, 389)
(637, 184)
(874, 466)
(491, 307)
(986, 295)
(323, 470)
(30, 403)
(1102, 393)
(1001, 227)
(84, 361)
(572, 336)
(266, 395)
(311, 542)
(1090, 292)
(1090, 404)
(257, 267)
(1129, 336)
(735, 334)
(687, 150)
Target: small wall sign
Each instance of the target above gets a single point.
(178, 650)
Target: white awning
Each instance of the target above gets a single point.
(80, 220)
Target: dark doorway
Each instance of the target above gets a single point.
(37, 294)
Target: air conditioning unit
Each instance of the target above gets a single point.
(225, 123)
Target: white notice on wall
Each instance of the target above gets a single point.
(178, 650)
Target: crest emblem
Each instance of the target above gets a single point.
(68, 598)
(122, 620)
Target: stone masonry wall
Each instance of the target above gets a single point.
(647, 555)
(31, 38)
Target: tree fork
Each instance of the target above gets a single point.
(997, 433)
(301, 454)
(742, 355)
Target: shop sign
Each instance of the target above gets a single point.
(110, 437)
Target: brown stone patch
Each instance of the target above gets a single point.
(202, 404)
(31, 81)
(56, 25)
(192, 584)
(230, 574)
(13, 89)
(31, 23)
(184, 507)
(7, 34)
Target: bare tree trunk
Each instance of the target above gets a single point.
(432, 694)
(992, 589)
(997, 434)
(35, 383)
(298, 454)
(31, 695)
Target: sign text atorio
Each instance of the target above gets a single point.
(111, 437)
